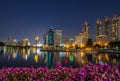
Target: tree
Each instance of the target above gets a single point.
(89, 43)
(97, 46)
(114, 44)
(1, 43)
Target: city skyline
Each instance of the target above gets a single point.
(21, 19)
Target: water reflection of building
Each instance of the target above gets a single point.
(50, 60)
(10, 52)
(24, 53)
(103, 58)
(81, 58)
(37, 54)
(56, 56)
(66, 58)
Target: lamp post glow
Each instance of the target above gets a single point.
(37, 39)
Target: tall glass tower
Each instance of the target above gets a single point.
(51, 37)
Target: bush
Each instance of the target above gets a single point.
(89, 72)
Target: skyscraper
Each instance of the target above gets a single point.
(45, 38)
(53, 37)
(101, 32)
(115, 27)
(106, 26)
(57, 37)
(82, 38)
(98, 27)
(85, 29)
(109, 31)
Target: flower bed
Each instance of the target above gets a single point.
(89, 72)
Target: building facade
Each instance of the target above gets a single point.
(53, 37)
(102, 40)
(107, 28)
(82, 38)
(98, 27)
(85, 29)
(115, 27)
(108, 31)
(57, 37)
(25, 42)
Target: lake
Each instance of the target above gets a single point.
(26, 57)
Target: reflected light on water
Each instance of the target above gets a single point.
(67, 54)
(106, 56)
(100, 57)
(82, 53)
(36, 57)
(65, 61)
(71, 58)
(14, 55)
(26, 57)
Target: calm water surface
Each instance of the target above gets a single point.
(25, 57)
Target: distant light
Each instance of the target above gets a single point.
(39, 44)
(36, 38)
(26, 57)
(62, 44)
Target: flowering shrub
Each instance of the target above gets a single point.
(89, 72)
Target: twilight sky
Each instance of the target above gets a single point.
(29, 18)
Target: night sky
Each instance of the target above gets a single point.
(29, 18)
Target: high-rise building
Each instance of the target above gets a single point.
(85, 29)
(25, 42)
(109, 31)
(100, 38)
(115, 27)
(98, 27)
(45, 39)
(107, 26)
(53, 37)
(14, 42)
(82, 38)
(106, 36)
(57, 37)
